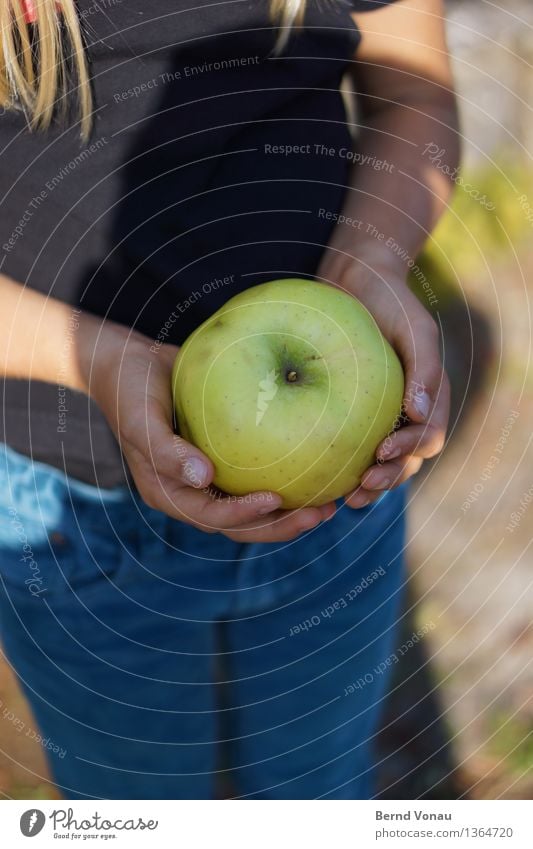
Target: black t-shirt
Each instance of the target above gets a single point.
(209, 166)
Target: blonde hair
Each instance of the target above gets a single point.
(39, 58)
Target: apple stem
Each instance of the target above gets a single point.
(292, 376)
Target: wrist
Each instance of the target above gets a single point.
(366, 260)
(101, 348)
(373, 271)
(358, 273)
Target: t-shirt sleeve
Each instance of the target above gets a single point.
(368, 5)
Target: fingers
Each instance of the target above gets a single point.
(251, 518)
(211, 511)
(423, 441)
(377, 479)
(170, 455)
(391, 474)
(361, 497)
(427, 403)
(254, 517)
(426, 384)
(283, 525)
(193, 467)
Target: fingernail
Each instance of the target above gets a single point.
(393, 454)
(390, 454)
(422, 403)
(196, 471)
(375, 481)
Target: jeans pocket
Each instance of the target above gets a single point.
(58, 533)
(89, 561)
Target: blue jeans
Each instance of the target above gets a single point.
(156, 657)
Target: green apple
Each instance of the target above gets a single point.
(289, 387)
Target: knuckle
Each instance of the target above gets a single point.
(437, 443)
(411, 469)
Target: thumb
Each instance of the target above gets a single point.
(193, 467)
(173, 456)
(420, 353)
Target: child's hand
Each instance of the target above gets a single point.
(414, 335)
(131, 384)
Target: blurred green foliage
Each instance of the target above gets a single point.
(471, 236)
(512, 741)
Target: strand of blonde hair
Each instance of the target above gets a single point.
(39, 60)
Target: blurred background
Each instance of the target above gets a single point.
(459, 718)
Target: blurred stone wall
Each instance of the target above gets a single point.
(492, 48)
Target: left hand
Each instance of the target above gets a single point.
(414, 335)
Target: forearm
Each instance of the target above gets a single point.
(403, 80)
(42, 338)
(395, 207)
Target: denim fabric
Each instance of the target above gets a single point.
(157, 658)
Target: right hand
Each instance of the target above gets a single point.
(131, 385)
